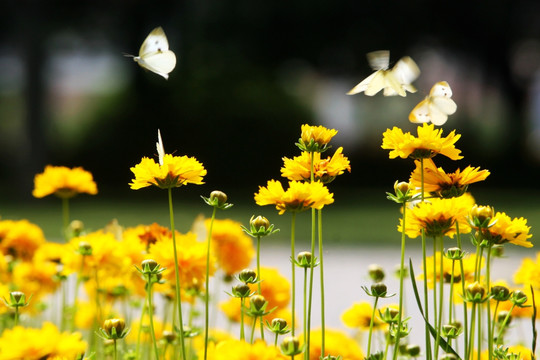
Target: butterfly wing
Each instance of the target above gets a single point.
(420, 113)
(155, 55)
(154, 42)
(377, 83)
(160, 149)
(379, 60)
(404, 73)
(362, 86)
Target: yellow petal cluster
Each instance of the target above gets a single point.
(20, 238)
(63, 182)
(505, 229)
(428, 143)
(319, 134)
(337, 343)
(324, 170)
(237, 349)
(175, 172)
(298, 197)
(358, 316)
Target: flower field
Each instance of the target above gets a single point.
(152, 290)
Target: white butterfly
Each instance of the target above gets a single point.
(395, 81)
(160, 149)
(436, 106)
(155, 55)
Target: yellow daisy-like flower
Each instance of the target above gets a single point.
(358, 316)
(505, 229)
(175, 172)
(324, 170)
(275, 288)
(37, 344)
(438, 182)
(20, 238)
(242, 350)
(337, 343)
(529, 272)
(315, 138)
(231, 246)
(299, 196)
(36, 278)
(438, 217)
(191, 260)
(428, 143)
(63, 182)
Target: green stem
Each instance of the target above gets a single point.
(151, 316)
(242, 302)
(471, 333)
(371, 326)
(16, 319)
(306, 353)
(321, 269)
(206, 295)
(253, 326)
(465, 315)
(503, 325)
(293, 282)
(311, 268)
(138, 348)
(177, 276)
(424, 263)
(489, 320)
(401, 280)
(441, 296)
(114, 349)
(258, 282)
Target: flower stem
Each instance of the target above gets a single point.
(311, 268)
(177, 276)
(259, 283)
(206, 295)
(151, 316)
(401, 276)
(371, 326)
(321, 269)
(242, 335)
(293, 282)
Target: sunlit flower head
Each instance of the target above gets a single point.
(63, 182)
(274, 287)
(36, 278)
(358, 316)
(175, 172)
(337, 343)
(324, 170)
(315, 138)
(20, 238)
(529, 272)
(44, 343)
(231, 246)
(191, 260)
(505, 229)
(238, 349)
(438, 217)
(298, 197)
(438, 182)
(428, 143)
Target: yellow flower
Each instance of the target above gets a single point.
(241, 350)
(275, 288)
(358, 316)
(146, 336)
(191, 260)
(337, 343)
(175, 172)
(529, 272)
(469, 265)
(20, 238)
(147, 234)
(438, 217)
(438, 182)
(299, 196)
(37, 344)
(324, 170)
(63, 182)
(232, 248)
(428, 143)
(506, 229)
(315, 138)
(36, 278)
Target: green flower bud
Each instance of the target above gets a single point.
(149, 265)
(376, 272)
(449, 357)
(390, 315)
(412, 350)
(85, 249)
(500, 293)
(279, 323)
(304, 259)
(259, 222)
(454, 253)
(219, 197)
(75, 228)
(379, 290)
(475, 292)
(258, 302)
(169, 336)
(501, 316)
(290, 346)
(402, 187)
(452, 331)
(241, 291)
(247, 276)
(114, 329)
(278, 326)
(519, 298)
(481, 215)
(17, 297)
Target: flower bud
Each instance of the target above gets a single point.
(304, 259)
(376, 272)
(219, 197)
(149, 265)
(379, 290)
(290, 346)
(114, 328)
(413, 350)
(480, 216)
(402, 187)
(501, 316)
(258, 302)
(76, 227)
(260, 221)
(241, 291)
(169, 336)
(247, 276)
(279, 323)
(475, 292)
(85, 249)
(519, 298)
(17, 297)
(500, 293)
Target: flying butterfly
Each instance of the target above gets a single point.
(395, 81)
(160, 149)
(155, 55)
(435, 107)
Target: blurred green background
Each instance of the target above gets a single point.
(249, 73)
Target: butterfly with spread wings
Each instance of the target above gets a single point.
(436, 107)
(394, 81)
(154, 54)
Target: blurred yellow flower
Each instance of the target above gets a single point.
(20, 238)
(319, 136)
(36, 278)
(63, 182)
(146, 337)
(358, 316)
(428, 143)
(241, 350)
(299, 196)
(505, 229)
(231, 246)
(324, 170)
(275, 288)
(337, 343)
(175, 172)
(146, 234)
(438, 182)
(38, 344)
(469, 265)
(529, 272)
(191, 260)
(438, 217)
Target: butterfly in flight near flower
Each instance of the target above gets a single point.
(394, 81)
(435, 107)
(155, 55)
